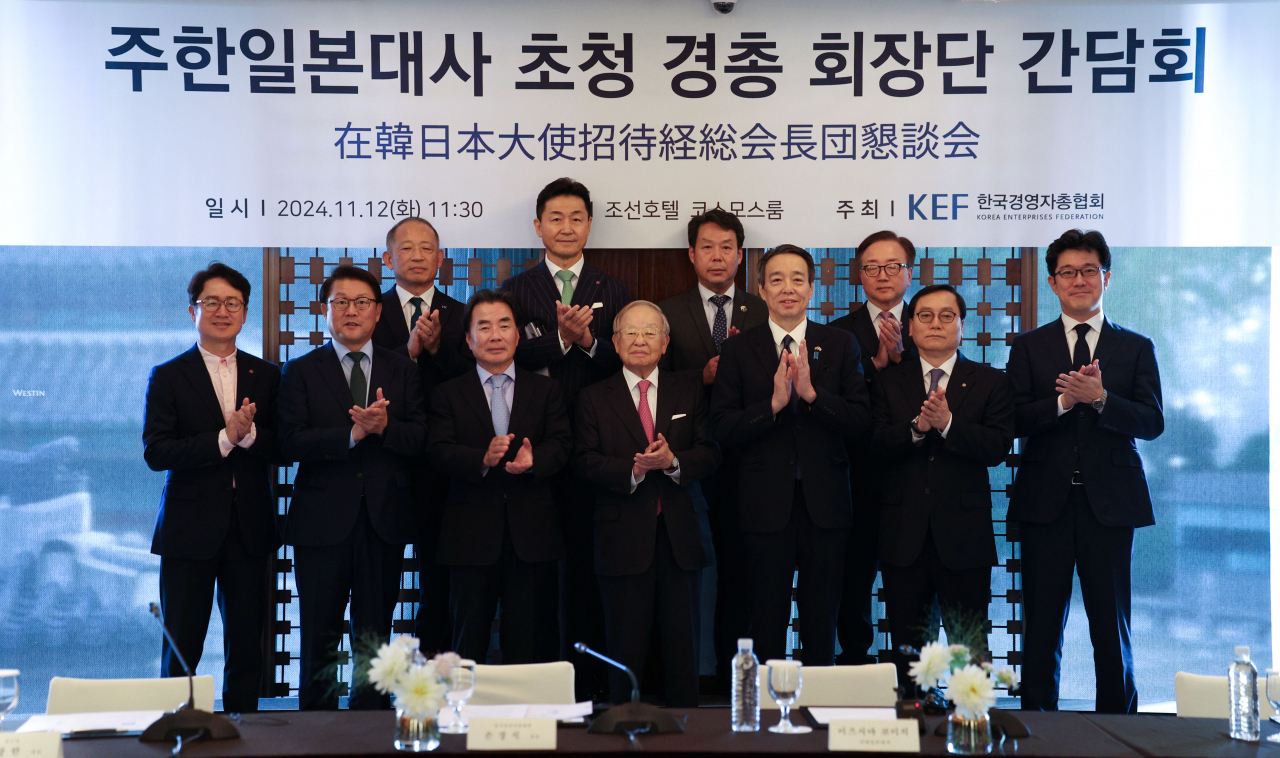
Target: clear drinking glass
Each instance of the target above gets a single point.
(462, 685)
(1272, 688)
(784, 680)
(8, 692)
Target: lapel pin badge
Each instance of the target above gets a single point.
(964, 384)
(742, 308)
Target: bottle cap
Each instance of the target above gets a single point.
(746, 643)
(1240, 650)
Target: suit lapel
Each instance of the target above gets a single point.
(197, 373)
(765, 348)
(960, 383)
(440, 302)
(543, 280)
(914, 390)
(666, 406)
(380, 377)
(331, 370)
(1109, 338)
(738, 314)
(588, 286)
(521, 401)
(625, 409)
(699, 316)
(393, 312)
(246, 381)
(865, 330)
(1056, 342)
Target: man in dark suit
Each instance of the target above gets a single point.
(643, 444)
(565, 308)
(884, 262)
(500, 433)
(789, 395)
(210, 423)
(424, 323)
(351, 414)
(940, 421)
(701, 320)
(1084, 390)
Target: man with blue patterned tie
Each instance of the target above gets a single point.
(500, 433)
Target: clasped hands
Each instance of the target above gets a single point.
(890, 351)
(793, 371)
(370, 420)
(426, 335)
(935, 413)
(656, 457)
(240, 421)
(498, 447)
(1083, 386)
(575, 324)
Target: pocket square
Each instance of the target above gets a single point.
(679, 415)
(596, 305)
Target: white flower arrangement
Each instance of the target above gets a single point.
(418, 684)
(969, 686)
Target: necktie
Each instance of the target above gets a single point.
(566, 288)
(416, 302)
(935, 376)
(498, 404)
(646, 417)
(1080, 356)
(787, 342)
(359, 387)
(720, 328)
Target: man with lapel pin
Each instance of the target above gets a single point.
(1084, 390)
(643, 443)
(940, 421)
(501, 434)
(427, 326)
(788, 396)
(884, 262)
(701, 320)
(210, 424)
(351, 415)
(566, 308)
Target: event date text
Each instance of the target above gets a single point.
(391, 209)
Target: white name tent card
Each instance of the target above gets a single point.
(511, 734)
(825, 716)
(31, 744)
(103, 724)
(874, 735)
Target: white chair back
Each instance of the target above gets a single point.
(540, 683)
(847, 686)
(67, 695)
(1207, 697)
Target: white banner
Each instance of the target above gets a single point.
(318, 124)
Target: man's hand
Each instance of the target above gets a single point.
(524, 458)
(709, 370)
(1083, 386)
(656, 457)
(240, 422)
(800, 376)
(575, 323)
(733, 332)
(781, 384)
(371, 420)
(890, 334)
(426, 335)
(497, 449)
(935, 413)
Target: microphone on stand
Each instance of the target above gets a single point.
(634, 717)
(186, 723)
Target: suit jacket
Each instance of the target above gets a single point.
(940, 484)
(1099, 445)
(538, 294)
(481, 505)
(452, 359)
(609, 434)
(859, 324)
(811, 438)
(315, 427)
(180, 437)
(691, 343)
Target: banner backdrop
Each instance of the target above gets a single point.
(318, 123)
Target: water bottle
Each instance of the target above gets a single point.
(1243, 685)
(744, 709)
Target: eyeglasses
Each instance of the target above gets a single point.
(633, 333)
(892, 269)
(212, 304)
(945, 317)
(361, 303)
(1089, 272)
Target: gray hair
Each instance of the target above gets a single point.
(391, 235)
(617, 320)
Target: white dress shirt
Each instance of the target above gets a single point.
(709, 307)
(948, 366)
(508, 392)
(633, 381)
(576, 270)
(366, 365)
(797, 334)
(874, 312)
(222, 371)
(1090, 339)
(407, 307)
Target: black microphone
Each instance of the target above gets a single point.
(191, 682)
(186, 723)
(635, 684)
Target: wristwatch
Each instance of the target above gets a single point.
(1097, 404)
(916, 429)
(675, 466)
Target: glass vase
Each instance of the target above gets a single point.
(968, 734)
(416, 734)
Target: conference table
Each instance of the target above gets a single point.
(359, 733)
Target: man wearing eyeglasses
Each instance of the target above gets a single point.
(940, 421)
(884, 262)
(643, 444)
(1084, 390)
(351, 415)
(210, 425)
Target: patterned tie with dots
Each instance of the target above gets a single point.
(720, 328)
